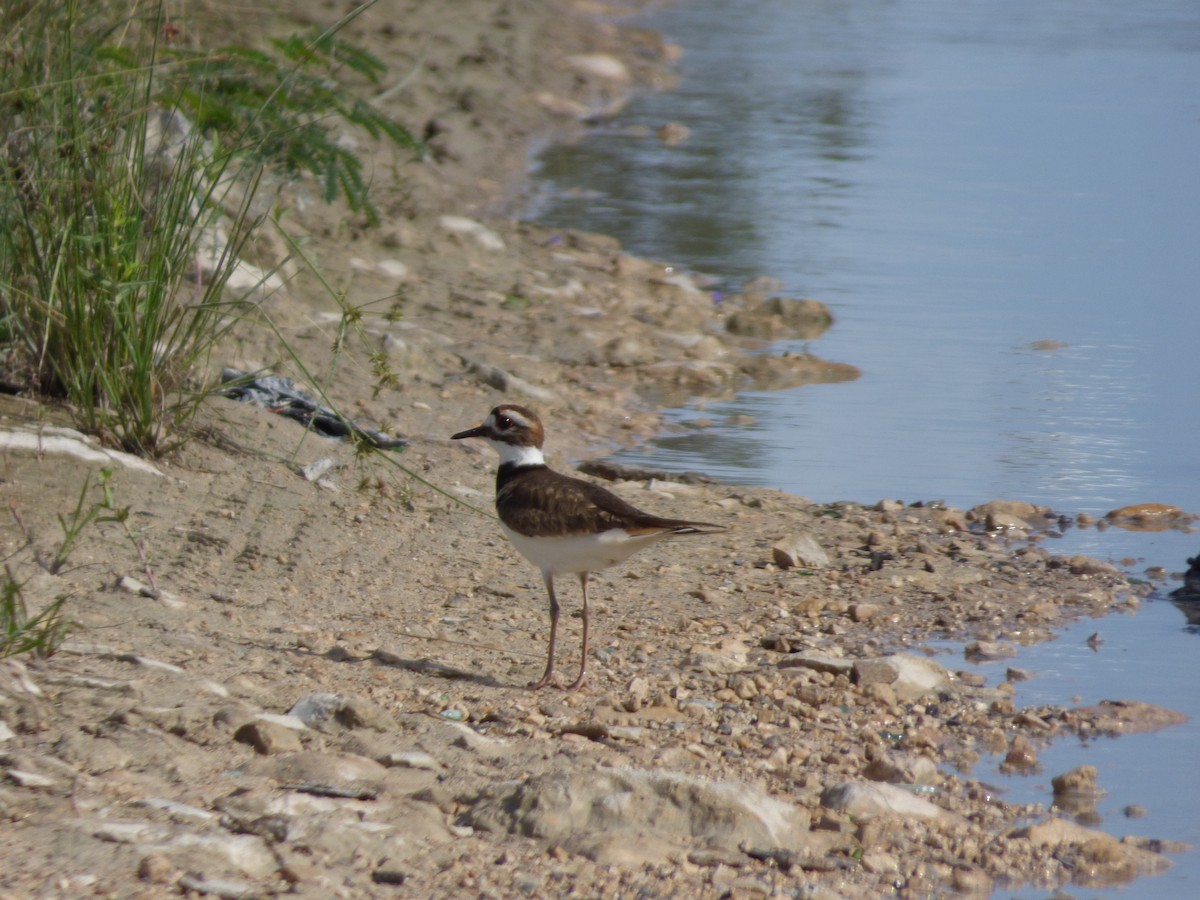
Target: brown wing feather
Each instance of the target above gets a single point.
(540, 502)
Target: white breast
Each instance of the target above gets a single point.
(579, 553)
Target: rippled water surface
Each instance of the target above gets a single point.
(958, 181)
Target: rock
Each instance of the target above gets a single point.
(358, 712)
(191, 850)
(901, 769)
(779, 317)
(911, 677)
(627, 351)
(598, 65)
(410, 759)
(390, 876)
(1115, 717)
(226, 888)
(1085, 565)
(483, 236)
(1021, 757)
(635, 816)
(341, 774)
(1005, 522)
(1003, 510)
(1148, 517)
(268, 737)
(673, 133)
(156, 869)
(179, 812)
(561, 106)
(348, 710)
(392, 268)
(52, 440)
(988, 651)
(820, 663)
(315, 710)
(29, 780)
(799, 550)
(864, 612)
(503, 380)
(1095, 859)
(972, 882)
(878, 862)
(1081, 780)
(727, 656)
(868, 799)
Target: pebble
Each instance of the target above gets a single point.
(799, 550)
(866, 799)
(484, 236)
(29, 779)
(1021, 756)
(156, 869)
(1080, 781)
(598, 65)
(988, 651)
(176, 810)
(220, 887)
(410, 759)
(268, 737)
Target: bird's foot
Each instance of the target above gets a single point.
(577, 683)
(549, 678)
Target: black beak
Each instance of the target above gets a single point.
(477, 431)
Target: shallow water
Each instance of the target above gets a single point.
(957, 181)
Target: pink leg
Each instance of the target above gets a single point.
(548, 676)
(582, 679)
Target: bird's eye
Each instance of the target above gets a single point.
(505, 423)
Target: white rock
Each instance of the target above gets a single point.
(799, 550)
(410, 759)
(314, 709)
(484, 236)
(130, 832)
(295, 723)
(176, 809)
(25, 779)
(598, 65)
(393, 268)
(867, 799)
(68, 442)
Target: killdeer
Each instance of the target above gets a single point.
(563, 524)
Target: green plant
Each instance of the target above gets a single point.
(42, 633)
(121, 222)
(281, 108)
(19, 633)
(84, 514)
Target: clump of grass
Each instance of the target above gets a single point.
(21, 633)
(42, 633)
(104, 203)
(111, 198)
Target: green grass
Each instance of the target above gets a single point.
(122, 160)
(129, 171)
(21, 633)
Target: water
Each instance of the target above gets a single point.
(957, 180)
